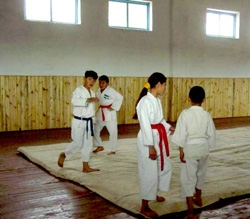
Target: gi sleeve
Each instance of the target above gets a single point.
(78, 99)
(167, 126)
(211, 132)
(180, 135)
(143, 112)
(116, 105)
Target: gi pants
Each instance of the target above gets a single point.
(112, 129)
(82, 140)
(193, 174)
(151, 177)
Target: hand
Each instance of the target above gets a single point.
(110, 108)
(172, 130)
(182, 155)
(152, 153)
(93, 99)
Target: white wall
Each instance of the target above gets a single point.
(40, 48)
(195, 54)
(177, 46)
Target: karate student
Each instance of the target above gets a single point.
(195, 136)
(154, 166)
(83, 102)
(110, 103)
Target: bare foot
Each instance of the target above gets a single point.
(87, 170)
(160, 199)
(61, 159)
(198, 201)
(99, 148)
(110, 153)
(149, 213)
(191, 216)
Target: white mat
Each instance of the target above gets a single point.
(228, 172)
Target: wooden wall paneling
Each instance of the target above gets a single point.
(228, 97)
(18, 120)
(8, 103)
(4, 103)
(165, 100)
(248, 97)
(173, 116)
(44, 107)
(132, 91)
(24, 101)
(207, 103)
(1, 105)
(118, 83)
(67, 101)
(239, 96)
(52, 104)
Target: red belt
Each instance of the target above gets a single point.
(163, 136)
(103, 106)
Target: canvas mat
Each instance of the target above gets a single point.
(228, 172)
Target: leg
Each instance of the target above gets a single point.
(61, 159)
(197, 197)
(146, 210)
(201, 175)
(190, 207)
(112, 129)
(85, 153)
(97, 138)
(87, 169)
(165, 175)
(74, 146)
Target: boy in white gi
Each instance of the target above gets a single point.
(154, 166)
(110, 103)
(83, 102)
(195, 136)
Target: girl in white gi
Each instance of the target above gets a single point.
(110, 103)
(83, 102)
(195, 134)
(154, 166)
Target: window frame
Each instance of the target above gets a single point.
(235, 16)
(146, 3)
(77, 13)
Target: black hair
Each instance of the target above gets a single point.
(92, 74)
(153, 80)
(104, 78)
(197, 94)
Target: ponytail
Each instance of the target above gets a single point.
(143, 93)
(153, 80)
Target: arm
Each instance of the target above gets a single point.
(116, 105)
(182, 155)
(143, 111)
(211, 131)
(78, 99)
(180, 135)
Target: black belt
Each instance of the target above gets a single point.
(87, 122)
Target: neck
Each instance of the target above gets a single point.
(154, 92)
(196, 104)
(87, 87)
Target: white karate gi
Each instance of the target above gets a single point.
(195, 133)
(149, 111)
(81, 138)
(107, 97)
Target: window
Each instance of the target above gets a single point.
(222, 23)
(130, 14)
(60, 11)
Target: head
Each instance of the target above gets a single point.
(90, 79)
(197, 95)
(158, 81)
(103, 82)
